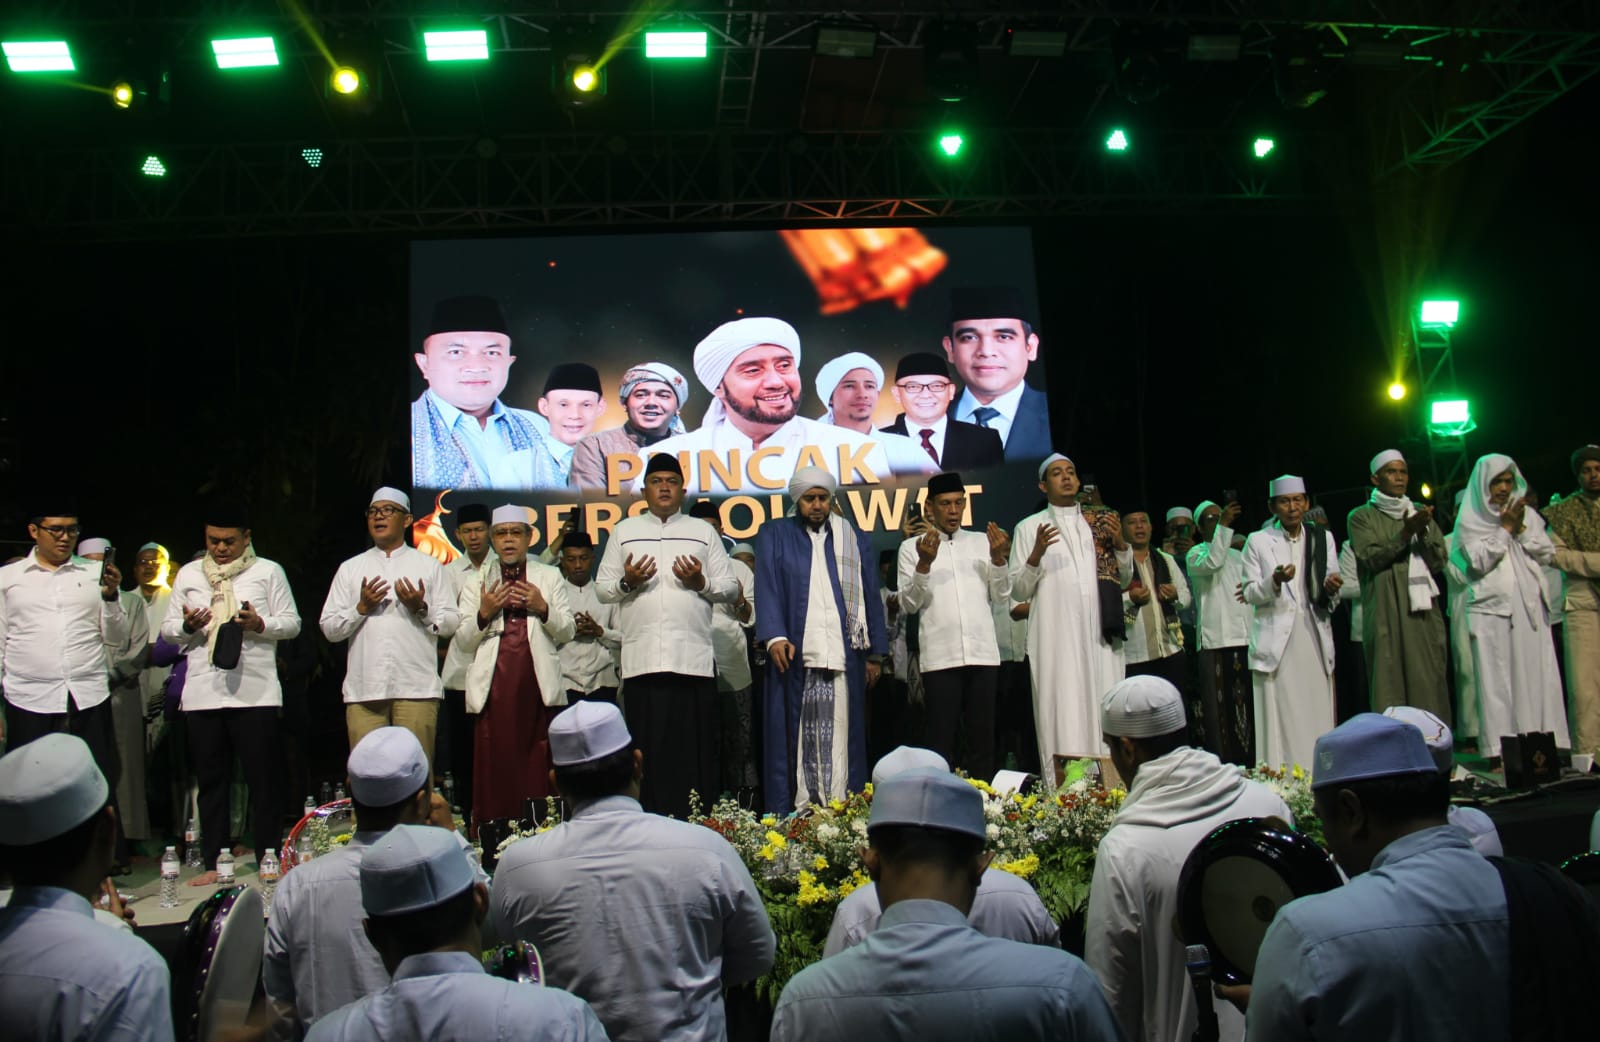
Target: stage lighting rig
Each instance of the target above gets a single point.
(1300, 72)
(1139, 70)
(950, 56)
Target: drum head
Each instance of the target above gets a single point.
(1233, 884)
(224, 941)
(518, 962)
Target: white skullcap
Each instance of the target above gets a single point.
(93, 545)
(1177, 512)
(387, 766)
(742, 548)
(809, 478)
(1434, 731)
(48, 787)
(714, 354)
(1141, 707)
(389, 494)
(413, 867)
(511, 514)
(158, 548)
(905, 758)
(587, 731)
(1045, 466)
(1383, 459)
(1200, 510)
(834, 370)
(1286, 485)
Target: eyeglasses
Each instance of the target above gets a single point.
(384, 511)
(61, 531)
(912, 387)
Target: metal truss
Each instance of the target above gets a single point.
(544, 181)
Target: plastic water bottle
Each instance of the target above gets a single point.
(225, 867)
(311, 805)
(449, 790)
(305, 848)
(169, 878)
(327, 794)
(269, 873)
(338, 794)
(192, 857)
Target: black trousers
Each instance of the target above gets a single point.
(453, 748)
(1018, 734)
(1226, 700)
(216, 736)
(93, 725)
(599, 694)
(960, 705)
(676, 721)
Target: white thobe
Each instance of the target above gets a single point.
(394, 652)
(729, 644)
(780, 455)
(824, 650)
(1457, 590)
(1072, 664)
(453, 674)
(588, 663)
(1291, 649)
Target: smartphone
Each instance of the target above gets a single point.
(914, 513)
(1230, 495)
(108, 561)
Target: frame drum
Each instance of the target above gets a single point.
(222, 947)
(518, 962)
(1234, 882)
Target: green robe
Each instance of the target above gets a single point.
(1405, 651)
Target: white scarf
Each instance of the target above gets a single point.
(224, 605)
(1419, 581)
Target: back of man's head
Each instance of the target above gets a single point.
(591, 752)
(54, 825)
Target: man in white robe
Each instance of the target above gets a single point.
(753, 437)
(851, 385)
(1291, 577)
(589, 659)
(1073, 662)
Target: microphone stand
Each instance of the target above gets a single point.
(1198, 962)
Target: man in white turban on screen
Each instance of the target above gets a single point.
(752, 369)
(850, 385)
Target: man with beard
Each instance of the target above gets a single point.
(568, 407)
(851, 384)
(652, 395)
(752, 369)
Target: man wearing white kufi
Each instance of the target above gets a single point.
(752, 369)
(1398, 548)
(652, 393)
(394, 604)
(1291, 579)
(1441, 744)
(850, 385)
(1176, 796)
(821, 621)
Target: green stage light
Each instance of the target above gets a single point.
(951, 143)
(312, 156)
(153, 167)
(1263, 146)
(675, 44)
(245, 52)
(459, 45)
(1443, 313)
(1118, 141)
(1449, 412)
(38, 55)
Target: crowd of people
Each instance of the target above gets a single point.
(678, 664)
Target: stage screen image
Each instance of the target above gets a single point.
(547, 371)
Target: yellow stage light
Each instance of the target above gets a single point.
(584, 78)
(346, 80)
(1397, 390)
(122, 94)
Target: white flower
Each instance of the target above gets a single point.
(992, 831)
(859, 826)
(827, 832)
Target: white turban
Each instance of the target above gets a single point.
(93, 545)
(655, 372)
(834, 370)
(1286, 485)
(1177, 512)
(714, 354)
(808, 478)
(1044, 467)
(390, 494)
(511, 514)
(1383, 459)
(1200, 510)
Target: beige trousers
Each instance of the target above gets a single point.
(420, 716)
(1581, 634)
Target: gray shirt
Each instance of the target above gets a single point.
(1005, 906)
(643, 917)
(1414, 949)
(65, 976)
(926, 975)
(446, 996)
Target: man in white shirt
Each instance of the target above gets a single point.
(924, 390)
(127, 706)
(730, 641)
(1150, 604)
(227, 613)
(990, 343)
(453, 745)
(752, 437)
(58, 614)
(664, 570)
(1216, 569)
(393, 604)
(851, 384)
(949, 578)
(568, 407)
(589, 659)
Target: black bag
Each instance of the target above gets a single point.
(230, 642)
(1530, 759)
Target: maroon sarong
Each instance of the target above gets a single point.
(511, 747)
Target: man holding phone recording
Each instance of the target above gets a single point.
(227, 611)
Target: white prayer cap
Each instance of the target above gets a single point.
(1141, 707)
(905, 758)
(511, 514)
(160, 550)
(1434, 731)
(806, 478)
(413, 867)
(1205, 504)
(387, 766)
(742, 548)
(1286, 485)
(1044, 467)
(389, 494)
(834, 370)
(1177, 512)
(714, 354)
(48, 787)
(587, 731)
(93, 545)
(1383, 459)
(655, 372)
(927, 797)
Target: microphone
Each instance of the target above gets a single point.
(1197, 960)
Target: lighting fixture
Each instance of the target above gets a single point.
(456, 45)
(245, 52)
(38, 55)
(675, 43)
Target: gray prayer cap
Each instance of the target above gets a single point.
(387, 766)
(413, 867)
(1435, 732)
(927, 797)
(1141, 707)
(1367, 746)
(905, 758)
(587, 731)
(48, 787)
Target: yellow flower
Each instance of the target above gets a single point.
(846, 888)
(819, 863)
(769, 820)
(1023, 867)
(836, 805)
(866, 790)
(767, 853)
(776, 839)
(1298, 773)
(810, 893)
